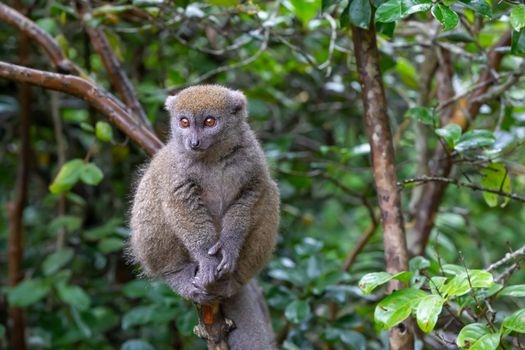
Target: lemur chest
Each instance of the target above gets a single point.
(219, 191)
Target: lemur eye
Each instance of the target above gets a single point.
(210, 121)
(184, 122)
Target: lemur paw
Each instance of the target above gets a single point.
(229, 259)
(206, 274)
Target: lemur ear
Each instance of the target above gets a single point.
(238, 101)
(170, 103)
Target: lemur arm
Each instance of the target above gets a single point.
(193, 225)
(235, 227)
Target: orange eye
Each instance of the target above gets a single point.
(210, 121)
(184, 122)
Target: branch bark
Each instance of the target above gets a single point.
(383, 167)
(117, 76)
(464, 112)
(103, 101)
(43, 39)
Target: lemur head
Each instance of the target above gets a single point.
(204, 116)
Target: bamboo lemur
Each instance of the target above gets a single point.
(206, 211)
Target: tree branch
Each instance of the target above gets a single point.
(380, 139)
(446, 180)
(103, 101)
(117, 76)
(43, 39)
(507, 258)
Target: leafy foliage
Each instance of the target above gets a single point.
(294, 61)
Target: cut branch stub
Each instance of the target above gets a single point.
(213, 326)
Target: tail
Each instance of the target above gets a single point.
(250, 313)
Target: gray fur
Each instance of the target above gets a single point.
(206, 219)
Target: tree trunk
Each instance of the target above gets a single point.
(16, 206)
(383, 167)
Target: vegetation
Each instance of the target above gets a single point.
(334, 89)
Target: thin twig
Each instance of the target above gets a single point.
(226, 68)
(520, 253)
(424, 179)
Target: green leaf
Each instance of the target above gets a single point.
(515, 322)
(372, 280)
(451, 269)
(74, 296)
(462, 284)
(423, 115)
(475, 139)
(517, 17)
(428, 311)
(103, 131)
(451, 133)
(470, 333)
(91, 174)
(28, 292)
(306, 10)
(436, 283)
(394, 10)
(513, 291)
(418, 263)
(360, 13)
(496, 177)
(518, 42)
(386, 29)
(56, 260)
(481, 7)
(111, 244)
(486, 342)
(136, 344)
(297, 311)
(397, 306)
(448, 18)
(68, 176)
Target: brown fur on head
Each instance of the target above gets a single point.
(202, 98)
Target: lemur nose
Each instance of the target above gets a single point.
(194, 144)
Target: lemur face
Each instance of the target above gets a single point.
(203, 115)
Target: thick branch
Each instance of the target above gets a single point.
(43, 39)
(103, 101)
(117, 76)
(463, 114)
(380, 139)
